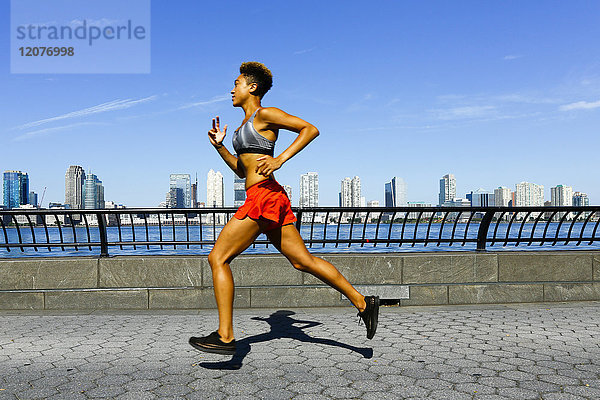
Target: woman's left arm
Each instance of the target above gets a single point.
(275, 118)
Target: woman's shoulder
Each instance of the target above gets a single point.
(270, 114)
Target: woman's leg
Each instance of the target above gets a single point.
(235, 237)
(289, 242)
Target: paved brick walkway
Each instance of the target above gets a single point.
(529, 351)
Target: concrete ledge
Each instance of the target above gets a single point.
(21, 301)
(571, 292)
(364, 269)
(97, 300)
(426, 296)
(255, 270)
(450, 268)
(185, 282)
(545, 267)
(122, 272)
(495, 293)
(391, 292)
(59, 273)
(193, 298)
(296, 297)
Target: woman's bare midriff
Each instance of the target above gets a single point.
(249, 163)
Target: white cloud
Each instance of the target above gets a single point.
(215, 99)
(512, 56)
(31, 134)
(304, 51)
(464, 112)
(104, 107)
(580, 105)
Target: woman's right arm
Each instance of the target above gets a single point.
(216, 137)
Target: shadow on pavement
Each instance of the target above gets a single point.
(282, 326)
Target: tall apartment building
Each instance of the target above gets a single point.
(214, 189)
(215, 195)
(502, 196)
(561, 195)
(309, 190)
(16, 189)
(447, 189)
(183, 182)
(345, 196)
(529, 194)
(93, 192)
(395, 192)
(239, 191)
(580, 199)
(288, 191)
(74, 180)
(350, 193)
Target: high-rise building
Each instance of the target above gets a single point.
(175, 198)
(529, 194)
(350, 195)
(288, 191)
(183, 182)
(395, 192)
(561, 195)
(580, 199)
(373, 203)
(309, 190)
(33, 199)
(345, 197)
(93, 192)
(215, 195)
(502, 196)
(74, 179)
(214, 189)
(239, 191)
(447, 189)
(194, 202)
(356, 195)
(482, 198)
(16, 189)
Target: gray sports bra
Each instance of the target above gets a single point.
(247, 140)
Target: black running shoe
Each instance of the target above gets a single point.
(370, 315)
(213, 344)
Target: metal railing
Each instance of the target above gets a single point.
(468, 227)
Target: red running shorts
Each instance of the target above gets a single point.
(268, 200)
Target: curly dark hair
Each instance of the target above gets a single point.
(258, 73)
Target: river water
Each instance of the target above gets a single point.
(371, 231)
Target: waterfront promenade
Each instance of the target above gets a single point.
(516, 351)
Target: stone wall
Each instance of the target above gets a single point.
(185, 282)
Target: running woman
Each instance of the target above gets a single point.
(267, 208)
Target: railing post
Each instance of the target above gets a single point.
(103, 236)
(299, 220)
(483, 230)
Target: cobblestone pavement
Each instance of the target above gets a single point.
(524, 351)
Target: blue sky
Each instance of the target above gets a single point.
(494, 92)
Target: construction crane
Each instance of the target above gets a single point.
(43, 193)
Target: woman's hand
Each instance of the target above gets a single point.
(215, 135)
(267, 165)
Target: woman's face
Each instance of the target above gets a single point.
(241, 91)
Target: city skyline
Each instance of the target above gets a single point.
(350, 194)
(484, 90)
